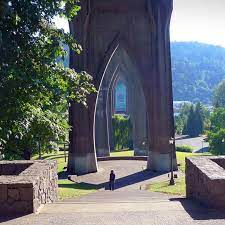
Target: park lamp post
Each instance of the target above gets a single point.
(172, 143)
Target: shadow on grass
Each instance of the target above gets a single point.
(80, 186)
(198, 211)
(53, 156)
(63, 175)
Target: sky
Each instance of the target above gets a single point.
(192, 20)
(199, 20)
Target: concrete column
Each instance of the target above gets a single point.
(101, 135)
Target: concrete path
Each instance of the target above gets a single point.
(130, 175)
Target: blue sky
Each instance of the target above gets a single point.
(193, 20)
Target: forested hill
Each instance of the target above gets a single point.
(197, 69)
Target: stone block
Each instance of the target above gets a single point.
(13, 194)
(26, 194)
(32, 184)
(205, 180)
(3, 192)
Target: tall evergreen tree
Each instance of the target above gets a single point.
(190, 127)
(219, 95)
(199, 119)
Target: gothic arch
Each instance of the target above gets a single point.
(141, 27)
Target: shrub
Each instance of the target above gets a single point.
(122, 132)
(184, 148)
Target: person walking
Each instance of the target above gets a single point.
(112, 178)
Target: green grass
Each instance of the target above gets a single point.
(164, 187)
(182, 155)
(123, 153)
(59, 156)
(69, 189)
(180, 186)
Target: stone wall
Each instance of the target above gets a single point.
(205, 180)
(26, 185)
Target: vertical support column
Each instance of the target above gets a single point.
(162, 127)
(82, 156)
(82, 159)
(101, 130)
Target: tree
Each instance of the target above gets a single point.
(199, 119)
(190, 126)
(122, 132)
(216, 135)
(191, 119)
(35, 89)
(219, 95)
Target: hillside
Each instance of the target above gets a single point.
(197, 69)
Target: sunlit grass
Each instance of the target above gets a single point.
(182, 155)
(122, 153)
(180, 187)
(68, 189)
(164, 187)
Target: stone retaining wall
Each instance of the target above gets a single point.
(205, 180)
(26, 185)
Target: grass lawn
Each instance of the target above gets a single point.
(164, 187)
(123, 153)
(69, 189)
(182, 155)
(180, 187)
(59, 156)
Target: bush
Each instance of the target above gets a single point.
(184, 148)
(122, 132)
(217, 142)
(216, 135)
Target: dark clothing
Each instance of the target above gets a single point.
(111, 185)
(112, 178)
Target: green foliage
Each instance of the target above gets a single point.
(219, 95)
(122, 153)
(216, 135)
(35, 89)
(122, 132)
(192, 119)
(197, 69)
(184, 148)
(195, 122)
(179, 124)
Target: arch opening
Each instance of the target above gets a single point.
(121, 93)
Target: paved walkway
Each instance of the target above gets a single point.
(127, 205)
(130, 175)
